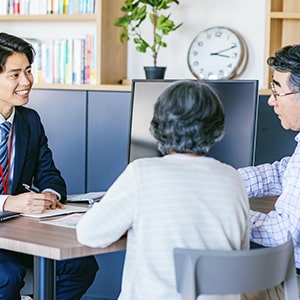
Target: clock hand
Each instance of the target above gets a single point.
(217, 53)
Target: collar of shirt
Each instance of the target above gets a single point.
(10, 119)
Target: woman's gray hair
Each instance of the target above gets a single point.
(188, 118)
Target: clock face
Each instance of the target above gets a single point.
(217, 53)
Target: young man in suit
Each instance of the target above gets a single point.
(26, 158)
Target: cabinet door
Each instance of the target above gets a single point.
(109, 117)
(63, 115)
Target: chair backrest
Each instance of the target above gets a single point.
(224, 272)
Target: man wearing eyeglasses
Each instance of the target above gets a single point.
(281, 178)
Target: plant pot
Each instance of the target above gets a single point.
(155, 72)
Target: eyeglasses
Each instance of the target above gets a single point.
(275, 94)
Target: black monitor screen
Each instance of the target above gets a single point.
(240, 101)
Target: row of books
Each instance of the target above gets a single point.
(65, 61)
(40, 7)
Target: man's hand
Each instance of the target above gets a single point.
(32, 203)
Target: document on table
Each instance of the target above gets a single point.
(69, 221)
(69, 209)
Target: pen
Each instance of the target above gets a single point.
(30, 188)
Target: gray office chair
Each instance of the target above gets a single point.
(224, 272)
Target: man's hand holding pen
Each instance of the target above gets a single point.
(32, 202)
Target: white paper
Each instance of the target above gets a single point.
(69, 209)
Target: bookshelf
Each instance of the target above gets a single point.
(282, 28)
(109, 53)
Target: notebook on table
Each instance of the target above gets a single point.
(68, 209)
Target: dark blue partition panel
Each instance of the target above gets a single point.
(63, 114)
(108, 151)
(272, 141)
(108, 137)
(107, 284)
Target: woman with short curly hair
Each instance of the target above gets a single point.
(182, 199)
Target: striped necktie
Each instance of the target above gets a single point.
(5, 129)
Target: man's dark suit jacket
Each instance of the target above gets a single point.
(33, 158)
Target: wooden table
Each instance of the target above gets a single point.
(264, 204)
(47, 243)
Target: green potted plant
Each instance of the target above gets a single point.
(137, 12)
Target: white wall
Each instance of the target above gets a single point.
(246, 17)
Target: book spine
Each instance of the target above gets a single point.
(44, 62)
(62, 61)
(10, 7)
(69, 61)
(88, 56)
(65, 9)
(71, 7)
(56, 6)
(24, 7)
(77, 61)
(82, 56)
(16, 7)
(34, 67)
(39, 63)
(76, 6)
(50, 61)
(55, 61)
(50, 5)
(93, 79)
(4, 7)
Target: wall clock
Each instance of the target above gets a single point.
(217, 53)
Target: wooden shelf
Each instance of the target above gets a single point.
(49, 18)
(282, 29)
(265, 92)
(111, 54)
(285, 15)
(85, 87)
